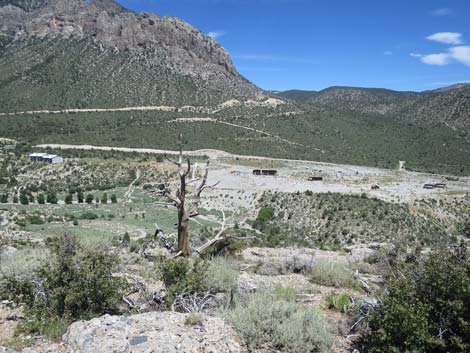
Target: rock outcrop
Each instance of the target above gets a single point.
(144, 59)
(153, 332)
(157, 332)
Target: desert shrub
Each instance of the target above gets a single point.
(193, 319)
(339, 302)
(183, 275)
(262, 321)
(221, 275)
(51, 198)
(89, 216)
(89, 198)
(68, 199)
(41, 199)
(134, 245)
(464, 228)
(104, 198)
(23, 263)
(332, 273)
(35, 219)
(24, 199)
(75, 284)
(126, 239)
(427, 309)
(265, 214)
(285, 293)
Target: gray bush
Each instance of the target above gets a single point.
(221, 275)
(263, 320)
(333, 273)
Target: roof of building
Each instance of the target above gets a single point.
(50, 156)
(38, 154)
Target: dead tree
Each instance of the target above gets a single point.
(187, 200)
(180, 198)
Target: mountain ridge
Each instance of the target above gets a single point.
(448, 105)
(65, 38)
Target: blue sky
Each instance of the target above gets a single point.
(306, 44)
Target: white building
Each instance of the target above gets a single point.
(44, 157)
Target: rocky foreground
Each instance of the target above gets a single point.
(156, 332)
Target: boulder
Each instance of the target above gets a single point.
(155, 332)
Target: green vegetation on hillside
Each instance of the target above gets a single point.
(319, 135)
(334, 220)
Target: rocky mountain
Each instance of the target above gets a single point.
(449, 106)
(77, 53)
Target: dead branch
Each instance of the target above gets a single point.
(164, 239)
(196, 302)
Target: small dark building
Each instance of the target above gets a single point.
(428, 186)
(440, 186)
(315, 178)
(271, 172)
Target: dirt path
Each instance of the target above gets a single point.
(93, 110)
(131, 188)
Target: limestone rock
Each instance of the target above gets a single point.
(155, 332)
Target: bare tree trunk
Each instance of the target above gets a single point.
(180, 202)
(183, 218)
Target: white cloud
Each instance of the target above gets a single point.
(461, 54)
(446, 38)
(388, 52)
(216, 34)
(440, 59)
(441, 12)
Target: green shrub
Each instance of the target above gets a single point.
(51, 198)
(265, 214)
(339, 302)
(69, 199)
(193, 319)
(134, 246)
(76, 284)
(23, 263)
(126, 239)
(104, 198)
(24, 199)
(35, 219)
(427, 309)
(41, 199)
(332, 273)
(221, 275)
(89, 198)
(113, 198)
(182, 275)
(89, 216)
(283, 325)
(4, 198)
(285, 293)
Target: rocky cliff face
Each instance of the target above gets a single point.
(155, 44)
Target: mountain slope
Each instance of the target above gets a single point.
(76, 53)
(449, 106)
